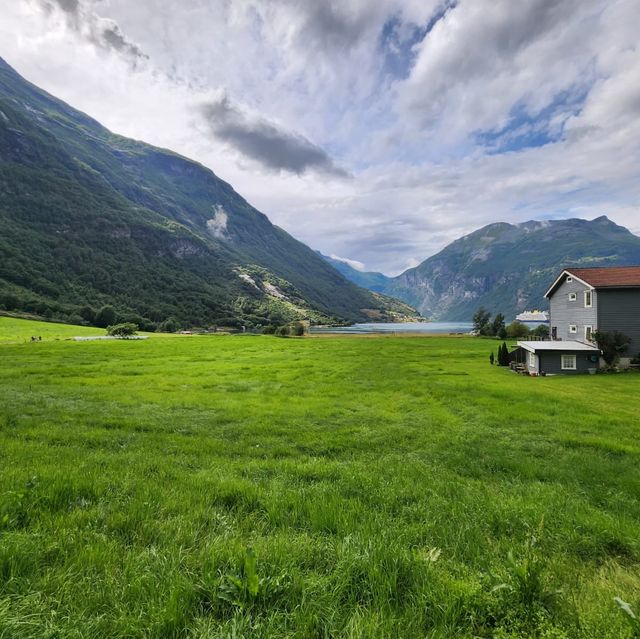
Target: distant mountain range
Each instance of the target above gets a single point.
(371, 280)
(89, 218)
(504, 267)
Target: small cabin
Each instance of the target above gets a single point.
(555, 357)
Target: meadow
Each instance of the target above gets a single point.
(328, 487)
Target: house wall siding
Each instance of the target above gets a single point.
(562, 312)
(532, 369)
(619, 310)
(551, 362)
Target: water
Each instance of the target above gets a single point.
(433, 328)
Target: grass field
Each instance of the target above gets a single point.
(245, 486)
(18, 331)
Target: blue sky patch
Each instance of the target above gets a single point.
(525, 130)
(398, 40)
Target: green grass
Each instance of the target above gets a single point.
(243, 486)
(16, 330)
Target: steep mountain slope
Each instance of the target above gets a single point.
(507, 268)
(371, 280)
(90, 218)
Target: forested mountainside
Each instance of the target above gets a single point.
(89, 218)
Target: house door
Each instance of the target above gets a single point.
(554, 332)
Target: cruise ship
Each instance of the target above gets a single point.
(533, 316)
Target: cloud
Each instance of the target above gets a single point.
(449, 116)
(486, 62)
(359, 266)
(70, 6)
(265, 142)
(104, 33)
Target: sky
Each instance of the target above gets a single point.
(374, 131)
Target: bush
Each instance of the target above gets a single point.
(122, 330)
(297, 329)
(282, 331)
(612, 344)
(269, 329)
(517, 329)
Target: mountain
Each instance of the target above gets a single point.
(507, 268)
(371, 280)
(89, 218)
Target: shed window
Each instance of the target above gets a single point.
(587, 299)
(568, 363)
(573, 297)
(573, 328)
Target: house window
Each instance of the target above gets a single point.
(573, 297)
(587, 299)
(573, 328)
(569, 279)
(588, 333)
(532, 360)
(568, 363)
(554, 332)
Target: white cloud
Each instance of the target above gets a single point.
(359, 266)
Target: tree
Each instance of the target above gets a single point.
(170, 325)
(612, 344)
(481, 319)
(88, 314)
(106, 316)
(491, 359)
(517, 329)
(542, 330)
(497, 326)
(503, 355)
(127, 329)
(297, 329)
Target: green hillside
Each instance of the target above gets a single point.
(89, 218)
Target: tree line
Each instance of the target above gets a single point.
(485, 325)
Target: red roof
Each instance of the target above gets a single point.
(612, 276)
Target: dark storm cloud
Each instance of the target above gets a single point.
(266, 143)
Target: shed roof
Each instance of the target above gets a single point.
(602, 277)
(568, 346)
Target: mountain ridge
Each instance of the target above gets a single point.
(88, 217)
(372, 280)
(507, 267)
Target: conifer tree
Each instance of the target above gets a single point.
(503, 355)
